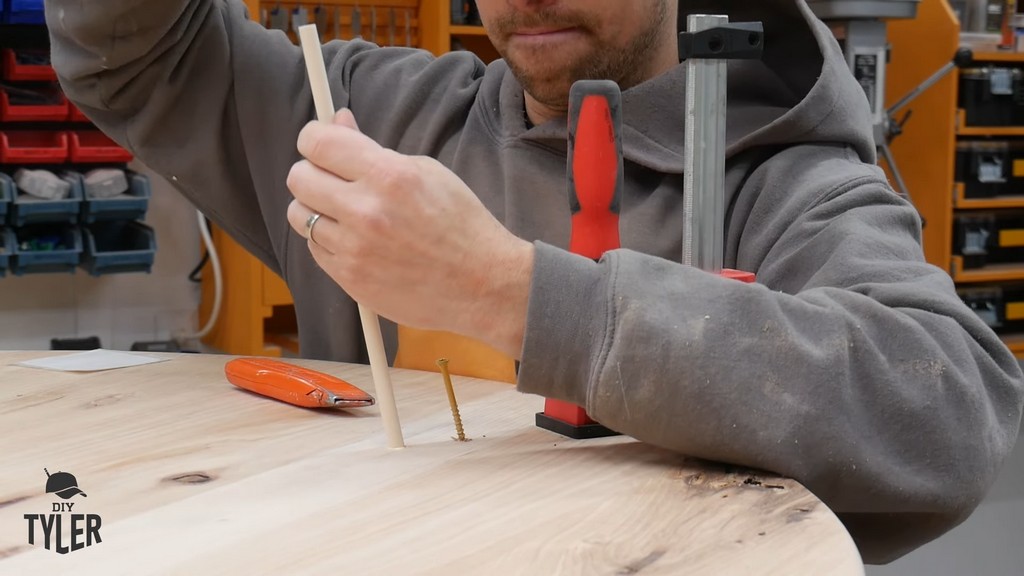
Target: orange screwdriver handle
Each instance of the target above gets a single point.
(294, 384)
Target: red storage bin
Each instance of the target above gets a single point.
(94, 146)
(33, 147)
(55, 112)
(20, 71)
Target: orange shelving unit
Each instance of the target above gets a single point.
(1003, 202)
(926, 151)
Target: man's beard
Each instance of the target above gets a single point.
(626, 66)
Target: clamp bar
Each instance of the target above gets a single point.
(709, 40)
(704, 152)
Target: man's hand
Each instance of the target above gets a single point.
(404, 236)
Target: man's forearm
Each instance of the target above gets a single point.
(851, 395)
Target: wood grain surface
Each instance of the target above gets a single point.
(191, 475)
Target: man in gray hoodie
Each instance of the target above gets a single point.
(850, 366)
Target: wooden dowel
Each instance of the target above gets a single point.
(318, 82)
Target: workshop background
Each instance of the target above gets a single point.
(96, 250)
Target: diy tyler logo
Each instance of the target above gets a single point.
(85, 528)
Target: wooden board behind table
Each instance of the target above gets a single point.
(193, 476)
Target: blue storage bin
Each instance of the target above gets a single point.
(118, 246)
(6, 195)
(46, 248)
(25, 209)
(131, 205)
(25, 12)
(7, 243)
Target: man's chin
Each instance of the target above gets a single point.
(555, 96)
(552, 92)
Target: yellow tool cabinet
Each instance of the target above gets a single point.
(926, 152)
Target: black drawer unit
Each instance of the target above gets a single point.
(1000, 306)
(992, 96)
(983, 238)
(990, 168)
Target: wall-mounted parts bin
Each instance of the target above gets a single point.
(986, 238)
(118, 246)
(128, 205)
(33, 147)
(26, 65)
(67, 199)
(992, 96)
(1000, 306)
(19, 104)
(990, 168)
(46, 248)
(24, 12)
(92, 146)
(28, 209)
(7, 243)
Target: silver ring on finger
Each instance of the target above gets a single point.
(310, 223)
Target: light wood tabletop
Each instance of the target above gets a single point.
(184, 473)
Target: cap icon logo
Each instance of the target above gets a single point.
(62, 484)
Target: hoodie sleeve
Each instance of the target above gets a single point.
(214, 102)
(851, 366)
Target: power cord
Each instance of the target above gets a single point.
(218, 283)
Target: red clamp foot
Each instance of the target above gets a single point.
(570, 420)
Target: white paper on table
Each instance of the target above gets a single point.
(91, 361)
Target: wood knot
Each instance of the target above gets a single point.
(13, 550)
(191, 478)
(12, 501)
(753, 481)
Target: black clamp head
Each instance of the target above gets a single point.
(739, 41)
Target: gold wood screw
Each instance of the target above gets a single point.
(443, 364)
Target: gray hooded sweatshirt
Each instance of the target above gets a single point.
(851, 366)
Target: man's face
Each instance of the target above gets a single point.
(549, 44)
